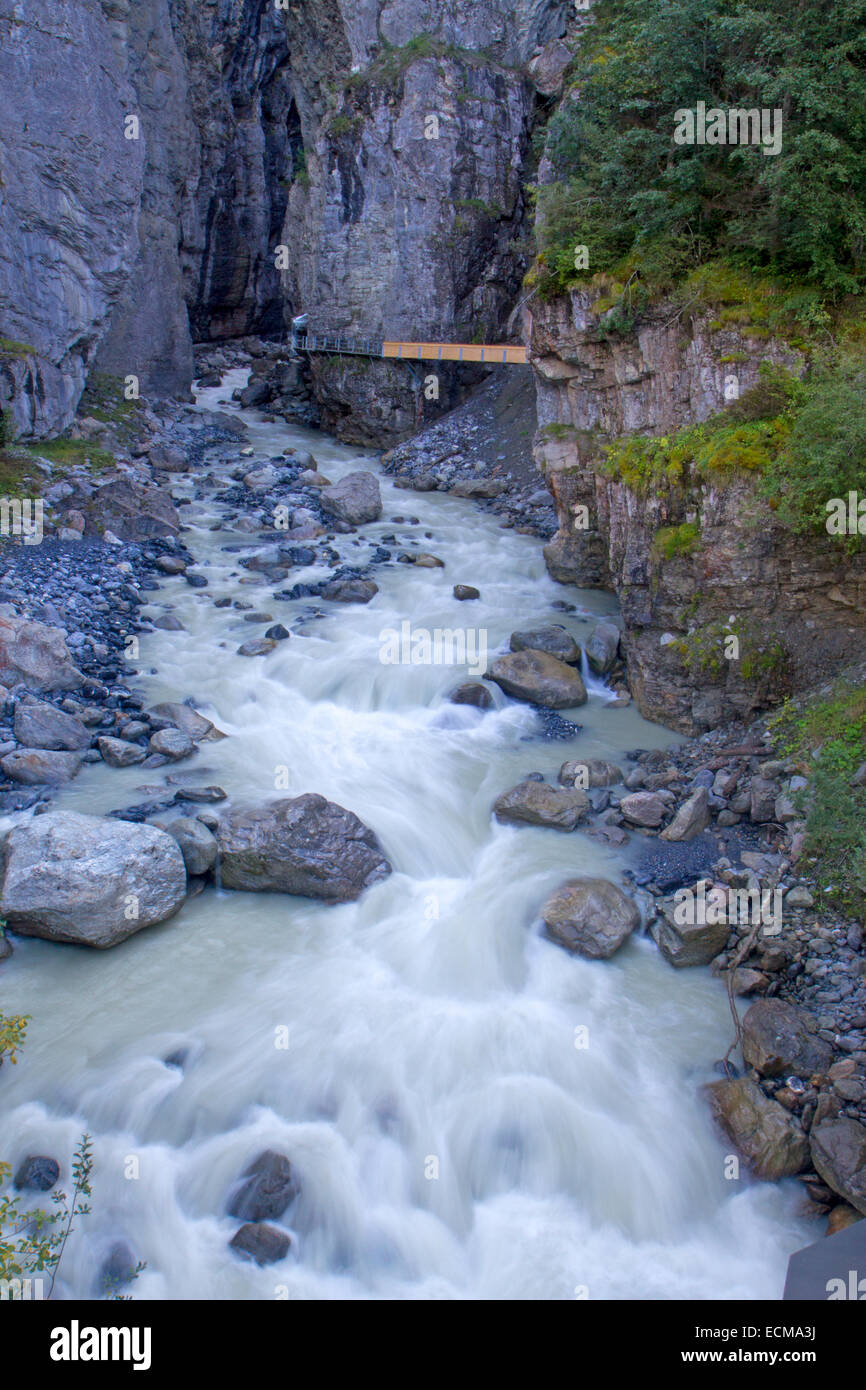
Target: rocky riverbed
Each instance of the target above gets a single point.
(708, 833)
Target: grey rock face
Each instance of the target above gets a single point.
(90, 881)
(307, 845)
(74, 208)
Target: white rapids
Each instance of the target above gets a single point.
(451, 1140)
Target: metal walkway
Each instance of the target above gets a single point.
(336, 344)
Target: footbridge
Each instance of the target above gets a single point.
(303, 340)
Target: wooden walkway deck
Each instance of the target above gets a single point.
(508, 354)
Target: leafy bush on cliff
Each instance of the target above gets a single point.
(624, 187)
(825, 456)
(829, 734)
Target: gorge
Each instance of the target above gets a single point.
(370, 717)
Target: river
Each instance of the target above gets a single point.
(412, 1053)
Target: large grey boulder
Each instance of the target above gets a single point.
(590, 916)
(535, 803)
(539, 678)
(839, 1155)
(37, 656)
(355, 499)
(555, 640)
(70, 877)
(306, 845)
(188, 720)
(684, 944)
(776, 1040)
(602, 647)
(37, 767)
(643, 808)
(39, 725)
(772, 1144)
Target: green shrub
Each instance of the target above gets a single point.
(828, 734)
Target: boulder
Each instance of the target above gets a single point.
(42, 726)
(554, 640)
(590, 772)
(257, 646)
(351, 591)
(535, 803)
(267, 1188)
(762, 799)
(839, 1155)
(773, 1145)
(37, 656)
(37, 1173)
(71, 877)
(685, 944)
(602, 647)
(479, 487)
(472, 693)
(117, 753)
(539, 678)
(188, 720)
(261, 479)
(197, 845)
(36, 767)
(466, 592)
(691, 818)
(776, 1040)
(260, 1242)
(355, 499)
(590, 916)
(643, 808)
(305, 845)
(171, 743)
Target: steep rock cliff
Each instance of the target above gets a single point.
(797, 609)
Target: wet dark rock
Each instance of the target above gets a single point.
(555, 640)
(37, 1173)
(266, 1190)
(472, 693)
(260, 1242)
(306, 845)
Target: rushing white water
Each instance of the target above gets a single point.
(451, 1140)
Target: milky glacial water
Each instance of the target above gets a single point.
(451, 1140)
